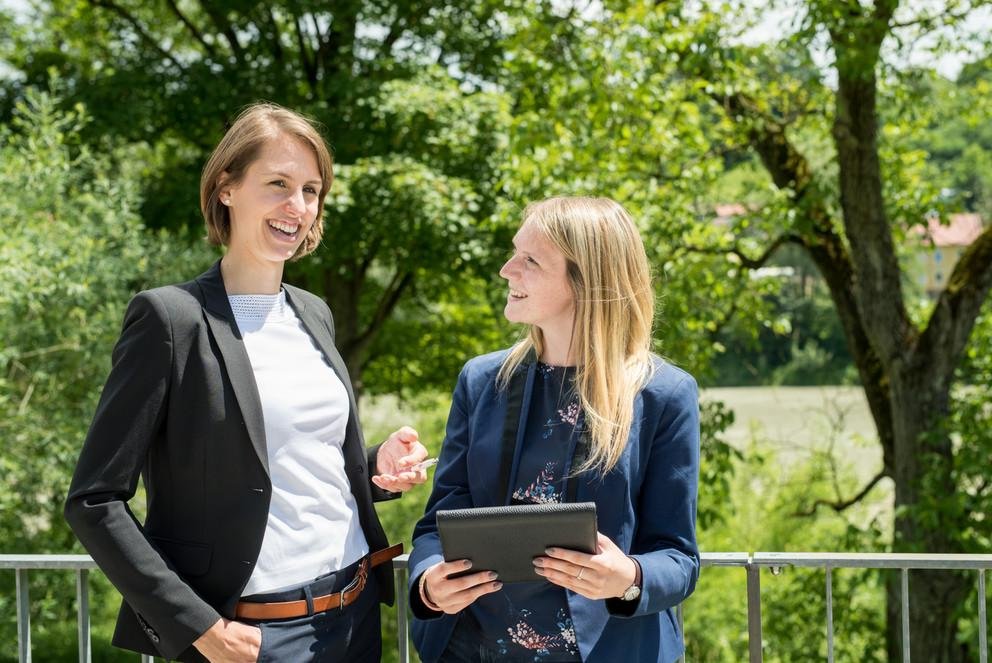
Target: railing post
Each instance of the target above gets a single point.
(905, 615)
(830, 614)
(983, 641)
(83, 621)
(23, 617)
(754, 612)
(399, 583)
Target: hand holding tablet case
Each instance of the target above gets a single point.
(506, 539)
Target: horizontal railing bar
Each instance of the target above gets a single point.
(751, 561)
(836, 560)
(874, 560)
(707, 559)
(805, 559)
(725, 559)
(46, 562)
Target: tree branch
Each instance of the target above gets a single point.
(400, 25)
(133, 22)
(224, 27)
(745, 260)
(395, 30)
(947, 331)
(276, 35)
(192, 29)
(308, 65)
(946, 17)
(319, 53)
(840, 505)
(790, 171)
(340, 54)
(393, 293)
(878, 278)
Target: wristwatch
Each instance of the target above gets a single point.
(631, 593)
(634, 591)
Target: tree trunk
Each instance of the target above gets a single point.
(343, 298)
(923, 472)
(906, 372)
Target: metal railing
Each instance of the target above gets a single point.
(751, 563)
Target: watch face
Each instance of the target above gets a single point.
(632, 593)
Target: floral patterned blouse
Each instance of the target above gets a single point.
(531, 621)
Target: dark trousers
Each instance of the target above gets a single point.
(350, 634)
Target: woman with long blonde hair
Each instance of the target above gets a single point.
(602, 420)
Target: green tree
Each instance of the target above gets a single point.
(419, 145)
(653, 102)
(74, 257)
(959, 138)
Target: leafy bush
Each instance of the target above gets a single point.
(74, 253)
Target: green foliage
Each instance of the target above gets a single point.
(427, 413)
(717, 465)
(801, 344)
(77, 254)
(769, 497)
(445, 120)
(420, 148)
(958, 139)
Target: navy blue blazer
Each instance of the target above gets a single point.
(646, 505)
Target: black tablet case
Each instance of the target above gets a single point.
(506, 539)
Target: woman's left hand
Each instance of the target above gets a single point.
(605, 575)
(400, 451)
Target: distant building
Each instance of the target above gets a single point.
(725, 213)
(937, 248)
(941, 248)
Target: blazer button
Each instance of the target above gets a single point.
(246, 561)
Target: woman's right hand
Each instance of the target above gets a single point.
(230, 642)
(453, 595)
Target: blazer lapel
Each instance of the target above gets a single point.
(220, 318)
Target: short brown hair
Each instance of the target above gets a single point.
(238, 149)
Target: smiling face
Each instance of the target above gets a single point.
(540, 291)
(274, 205)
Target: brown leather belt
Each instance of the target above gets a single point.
(342, 599)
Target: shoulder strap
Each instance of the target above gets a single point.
(511, 426)
(578, 458)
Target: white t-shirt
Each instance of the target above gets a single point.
(313, 526)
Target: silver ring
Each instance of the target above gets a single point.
(578, 576)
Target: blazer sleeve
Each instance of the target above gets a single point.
(378, 494)
(450, 492)
(664, 541)
(129, 416)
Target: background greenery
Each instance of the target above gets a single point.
(446, 119)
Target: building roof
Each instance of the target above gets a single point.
(961, 230)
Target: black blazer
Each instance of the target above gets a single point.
(181, 409)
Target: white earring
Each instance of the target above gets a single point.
(226, 201)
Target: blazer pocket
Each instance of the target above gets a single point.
(189, 558)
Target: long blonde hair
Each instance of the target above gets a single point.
(614, 313)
